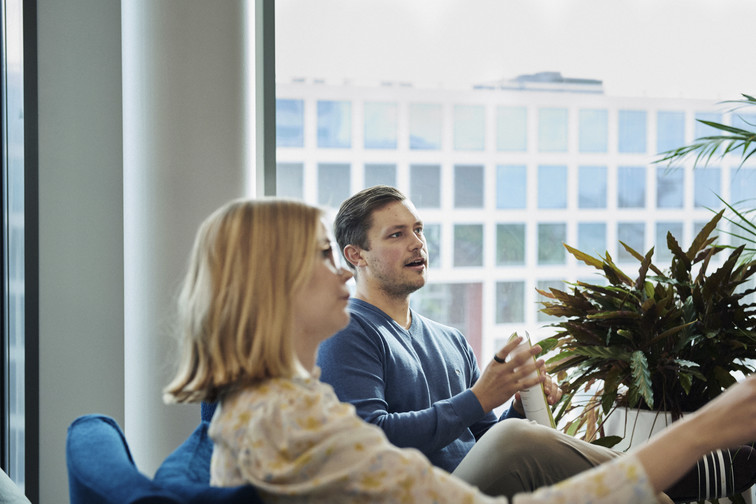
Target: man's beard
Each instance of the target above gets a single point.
(398, 289)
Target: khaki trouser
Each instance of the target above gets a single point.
(519, 456)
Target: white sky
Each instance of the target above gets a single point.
(664, 48)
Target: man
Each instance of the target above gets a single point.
(418, 379)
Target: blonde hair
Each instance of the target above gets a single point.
(248, 258)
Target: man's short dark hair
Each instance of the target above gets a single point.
(355, 215)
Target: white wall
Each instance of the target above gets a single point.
(177, 133)
(80, 224)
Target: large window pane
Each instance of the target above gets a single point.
(592, 238)
(631, 187)
(290, 123)
(334, 124)
(744, 121)
(670, 130)
(551, 238)
(546, 285)
(511, 186)
(380, 174)
(669, 187)
(632, 131)
(290, 180)
(455, 304)
(432, 234)
(743, 187)
(552, 130)
(633, 235)
(592, 187)
(468, 186)
(510, 302)
(552, 186)
(426, 121)
(707, 182)
(510, 244)
(425, 186)
(17, 407)
(511, 128)
(469, 127)
(700, 129)
(468, 245)
(380, 125)
(662, 254)
(594, 130)
(333, 184)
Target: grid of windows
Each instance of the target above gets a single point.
(502, 180)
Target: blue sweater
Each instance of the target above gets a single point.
(414, 383)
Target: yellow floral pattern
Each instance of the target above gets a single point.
(297, 443)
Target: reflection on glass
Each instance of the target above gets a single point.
(425, 186)
(290, 180)
(632, 131)
(593, 130)
(669, 187)
(468, 186)
(380, 174)
(551, 237)
(14, 341)
(661, 251)
(592, 187)
(468, 245)
(333, 184)
(334, 124)
(380, 125)
(289, 123)
(744, 121)
(511, 186)
(432, 234)
(552, 186)
(425, 122)
(511, 129)
(592, 238)
(552, 130)
(633, 235)
(510, 302)
(469, 127)
(700, 129)
(631, 187)
(707, 184)
(670, 130)
(546, 285)
(455, 304)
(743, 187)
(510, 244)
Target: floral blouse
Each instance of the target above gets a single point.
(295, 442)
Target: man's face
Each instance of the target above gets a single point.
(397, 262)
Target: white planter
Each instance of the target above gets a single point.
(637, 426)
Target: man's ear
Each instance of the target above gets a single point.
(353, 254)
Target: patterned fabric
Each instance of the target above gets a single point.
(296, 442)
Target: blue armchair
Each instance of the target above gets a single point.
(101, 469)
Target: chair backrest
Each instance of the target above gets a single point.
(186, 472)
(101, 469)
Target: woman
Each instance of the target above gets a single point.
(262, 291)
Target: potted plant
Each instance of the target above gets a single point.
(664, 339)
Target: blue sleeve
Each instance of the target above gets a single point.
(511, 412)
(353, 363)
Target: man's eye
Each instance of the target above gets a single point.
(395, 235)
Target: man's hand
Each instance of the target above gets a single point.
(501, 380)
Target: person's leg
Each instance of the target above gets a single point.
(520, 456)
